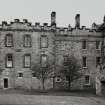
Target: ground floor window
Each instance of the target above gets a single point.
(20, 74)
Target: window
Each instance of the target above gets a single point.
(84, 44)
(20, 74)
(33, 74)
(58, 79)
(87, 79)
(44, 60)
(97, 44)
(66, 60)
(9, 40)
(44, 42)
(9, 60)
(27, 60)
(84, 61)
(98, 60)
(27, 41)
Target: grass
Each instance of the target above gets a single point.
(84, 93)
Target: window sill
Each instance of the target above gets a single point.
(20, 77)
(84, 67)
(87, 84)
(98, 49)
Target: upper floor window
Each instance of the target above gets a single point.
(44, 42)
(66, 58)
(98, 59)
(43, 60)
(27, 40)
(84, 44)
(27, 60)
(84, 61)
(87, 79)
(9, 40)
(9, 60)
(97, 44)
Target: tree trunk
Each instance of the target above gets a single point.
(43, 84)
(69, 83)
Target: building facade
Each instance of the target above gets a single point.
(23, 45)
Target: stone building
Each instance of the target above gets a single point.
(23, 44)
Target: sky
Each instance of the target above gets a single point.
(40, 10)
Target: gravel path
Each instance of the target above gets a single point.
(16, 99)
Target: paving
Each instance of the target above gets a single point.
(19, 99)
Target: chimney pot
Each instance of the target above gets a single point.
(4, 23)
(53, 18)
(17, 20)
(25, 20)
(77, 21)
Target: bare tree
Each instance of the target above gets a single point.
(42, 73)
(70, 69)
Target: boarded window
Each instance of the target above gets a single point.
(44, 42)
(9, 40)
(27, 60)
(27, 41)
(9, 60)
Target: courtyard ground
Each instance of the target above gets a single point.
(13, 97)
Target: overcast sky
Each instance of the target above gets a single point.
(39, 11)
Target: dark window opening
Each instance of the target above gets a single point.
(84, 61)
(84, 44)
(20, 74)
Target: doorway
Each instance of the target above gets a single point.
(5, 83)
(103, 87)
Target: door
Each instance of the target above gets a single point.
(5, 83)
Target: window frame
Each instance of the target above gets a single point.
(87, 83)
(30, 40)
(6, 60)
(41, 41)
(44, 55)
(24, 61)
(6, 40)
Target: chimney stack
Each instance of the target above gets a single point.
(104, 19)
(4, 23)
(53, 19)
(77, 21)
